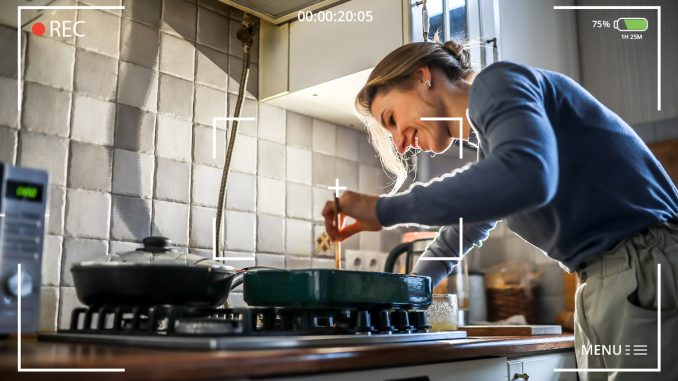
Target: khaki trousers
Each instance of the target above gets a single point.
(616, 309)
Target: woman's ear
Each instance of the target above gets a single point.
(423, 75)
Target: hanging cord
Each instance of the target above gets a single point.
(246, 36)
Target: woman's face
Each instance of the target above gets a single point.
(399, 112)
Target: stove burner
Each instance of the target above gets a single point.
(171, 320)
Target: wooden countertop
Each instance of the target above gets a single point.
(153, 364)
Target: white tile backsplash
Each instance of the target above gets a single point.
(57, 200)
(201, 228)
(324, 137)
(130, 145)
(245, 154)
(272, 123)
(270, 234)
(176, 56)
(270, 196)
(240, 231)
(95, 74)
(213, 29)
(172, 179)
(271, 260)
(347, 173)
(78, 250)
(51, 261)
(95, 22)
(320, 196)
(47, 109)
(211, 68)
(130, 218)
(205, 185)
(241, 192)
(51, 62)
(299, 166)
(137, 86)
(174, 138)
(299, 201)
(87, 213)
(68, 300)
(8, 108)
(347, 143)
(369, 180)
(170, 219)
(139, 44)
(133, 173)
(93, 120)
(32, 153)
(298, 237)
(209, 103)
(49, 305)
(271, 161)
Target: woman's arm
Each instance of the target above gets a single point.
(446, 244)
(520, 170)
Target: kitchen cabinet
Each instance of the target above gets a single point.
(317, 67)
(541, 367)
(476, 370)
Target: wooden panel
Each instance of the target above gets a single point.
(511, 330)
(150, 364)
(667, 153)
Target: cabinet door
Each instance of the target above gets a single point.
(324, 51)
(540, 368)
(492, 369)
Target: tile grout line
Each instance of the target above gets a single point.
(155, 124)
(189, 245)
(62, 261)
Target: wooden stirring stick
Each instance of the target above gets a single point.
(337, 222)
(337, 243)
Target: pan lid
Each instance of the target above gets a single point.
(156, 251)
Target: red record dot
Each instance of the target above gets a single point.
(38, 28)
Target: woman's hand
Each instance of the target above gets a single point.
(361, 207)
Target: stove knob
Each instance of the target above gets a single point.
(401, 320)
(419, 320)
(363, 322)
(26, 284)
(384, 321)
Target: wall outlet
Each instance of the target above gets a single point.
(362, 260)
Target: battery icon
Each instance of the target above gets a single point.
(630, 24)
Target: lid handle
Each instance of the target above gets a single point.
(156, 244)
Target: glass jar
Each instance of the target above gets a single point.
(442, 314)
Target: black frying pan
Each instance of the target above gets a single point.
(171, 278)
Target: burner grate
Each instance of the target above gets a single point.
(171, 320)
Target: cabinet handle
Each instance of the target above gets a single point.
(524, 376)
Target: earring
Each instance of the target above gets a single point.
(427, 82)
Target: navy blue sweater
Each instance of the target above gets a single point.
(566, 174)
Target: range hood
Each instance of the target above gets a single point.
(279, 12)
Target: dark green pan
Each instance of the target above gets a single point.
(324, 288)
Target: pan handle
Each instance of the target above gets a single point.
(239, 277)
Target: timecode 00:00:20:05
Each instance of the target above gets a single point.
(335, 16)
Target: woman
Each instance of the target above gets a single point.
(564, 172)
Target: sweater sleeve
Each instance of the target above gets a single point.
(446, 244)
(519, 172)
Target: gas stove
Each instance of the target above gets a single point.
(181, 327)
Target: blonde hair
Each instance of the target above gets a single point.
(396, 71)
